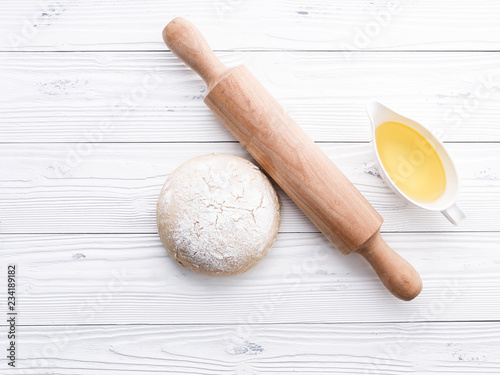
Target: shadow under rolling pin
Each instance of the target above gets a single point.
(292, 159)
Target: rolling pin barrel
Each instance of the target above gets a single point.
(292, 159)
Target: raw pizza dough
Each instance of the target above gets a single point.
(218, 214)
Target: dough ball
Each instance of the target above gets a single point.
(218, 214)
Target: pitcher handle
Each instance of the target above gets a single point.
(454, 214)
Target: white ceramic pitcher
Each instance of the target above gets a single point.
(446, 204)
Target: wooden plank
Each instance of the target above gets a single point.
(113, 188)
(442, 348)
(130, 279)
(153, 97)
(68, 25)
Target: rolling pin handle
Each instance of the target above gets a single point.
(187, 43)
(399, 277)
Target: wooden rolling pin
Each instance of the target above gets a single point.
(292, 159)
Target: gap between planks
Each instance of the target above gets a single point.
(402, 322)
(278, 50)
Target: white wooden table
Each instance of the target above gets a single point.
(94, 115)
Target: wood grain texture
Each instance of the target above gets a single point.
(113, 188)
(127, 278)
(130, 279)
(257, 24)
(153, 97)
(438, 348)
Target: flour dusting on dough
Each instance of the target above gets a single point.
(218, 214)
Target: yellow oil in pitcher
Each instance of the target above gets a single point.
(410, 161)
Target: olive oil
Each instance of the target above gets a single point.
(410, 161)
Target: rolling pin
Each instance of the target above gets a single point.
(292, 159)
